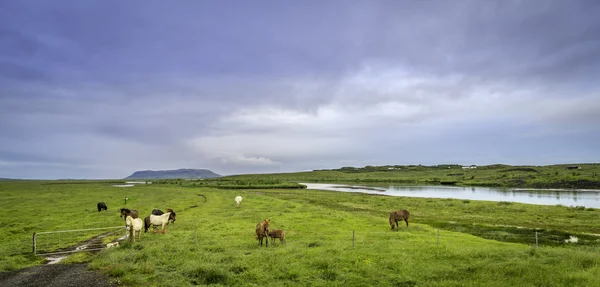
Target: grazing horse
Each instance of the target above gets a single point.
(277, 233)
(134, 227)
(126, 212)
(399, 215)
(161, 220)
(262, 231)
(102, 205)
(238, 200)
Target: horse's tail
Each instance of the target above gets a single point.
(146, 223)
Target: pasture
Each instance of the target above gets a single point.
(499, 175)
(331, 238)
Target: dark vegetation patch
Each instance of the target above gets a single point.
(582, 183)
(523, 169)
(206, 275)
(545, 237)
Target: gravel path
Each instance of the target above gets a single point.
(63, 275)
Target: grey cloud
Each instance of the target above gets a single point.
(295, 85)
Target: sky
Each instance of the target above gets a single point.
(100, 89)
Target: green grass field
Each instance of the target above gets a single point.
(214, 242)
(550, 176)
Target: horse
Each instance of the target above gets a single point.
(134, 227)
(162, 220)
(277, 233)
(262, 231)
(399, 215)
(238, 200)
(102, 205)
(126, 212)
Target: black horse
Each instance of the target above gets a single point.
(102, 205)
(157, 212)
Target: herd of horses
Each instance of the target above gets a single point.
(134, 224)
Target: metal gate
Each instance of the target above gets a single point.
(59, 242)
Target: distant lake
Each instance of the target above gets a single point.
(566, 197)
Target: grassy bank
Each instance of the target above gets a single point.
(213, 242)
(586, 176)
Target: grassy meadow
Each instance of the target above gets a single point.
(448, 243)
(549, 176)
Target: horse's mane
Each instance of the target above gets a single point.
(126, 210)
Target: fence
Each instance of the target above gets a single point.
(71, 241)
(414, 235)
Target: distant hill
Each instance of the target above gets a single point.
(179, 173)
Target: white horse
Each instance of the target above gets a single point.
(134, 227)
(238, 200)
(162, 220)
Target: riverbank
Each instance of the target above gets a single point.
(564, 176)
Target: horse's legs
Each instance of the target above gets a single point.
(406, 219)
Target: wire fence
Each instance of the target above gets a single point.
(70, 241)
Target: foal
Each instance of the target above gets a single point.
(277, 233)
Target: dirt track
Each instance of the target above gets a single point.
(54, 276)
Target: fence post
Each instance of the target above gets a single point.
(437, 239)
(34, 243)
(352, 238)
(536, 239)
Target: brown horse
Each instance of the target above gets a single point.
(262, 231)
(399, 215)
(126, 212)
(277, 233)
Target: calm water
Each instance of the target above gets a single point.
(587, 198)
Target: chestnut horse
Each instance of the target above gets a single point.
(277, 233)
(126, 212)
(262, 231)
(399, 215)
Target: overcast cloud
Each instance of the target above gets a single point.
(101, 89)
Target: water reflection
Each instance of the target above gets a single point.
(587, 198)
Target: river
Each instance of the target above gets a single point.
(581, 197)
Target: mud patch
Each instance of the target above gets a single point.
(54, 276)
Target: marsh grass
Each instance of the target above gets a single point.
(214, 243)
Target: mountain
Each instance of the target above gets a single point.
(179, 173)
